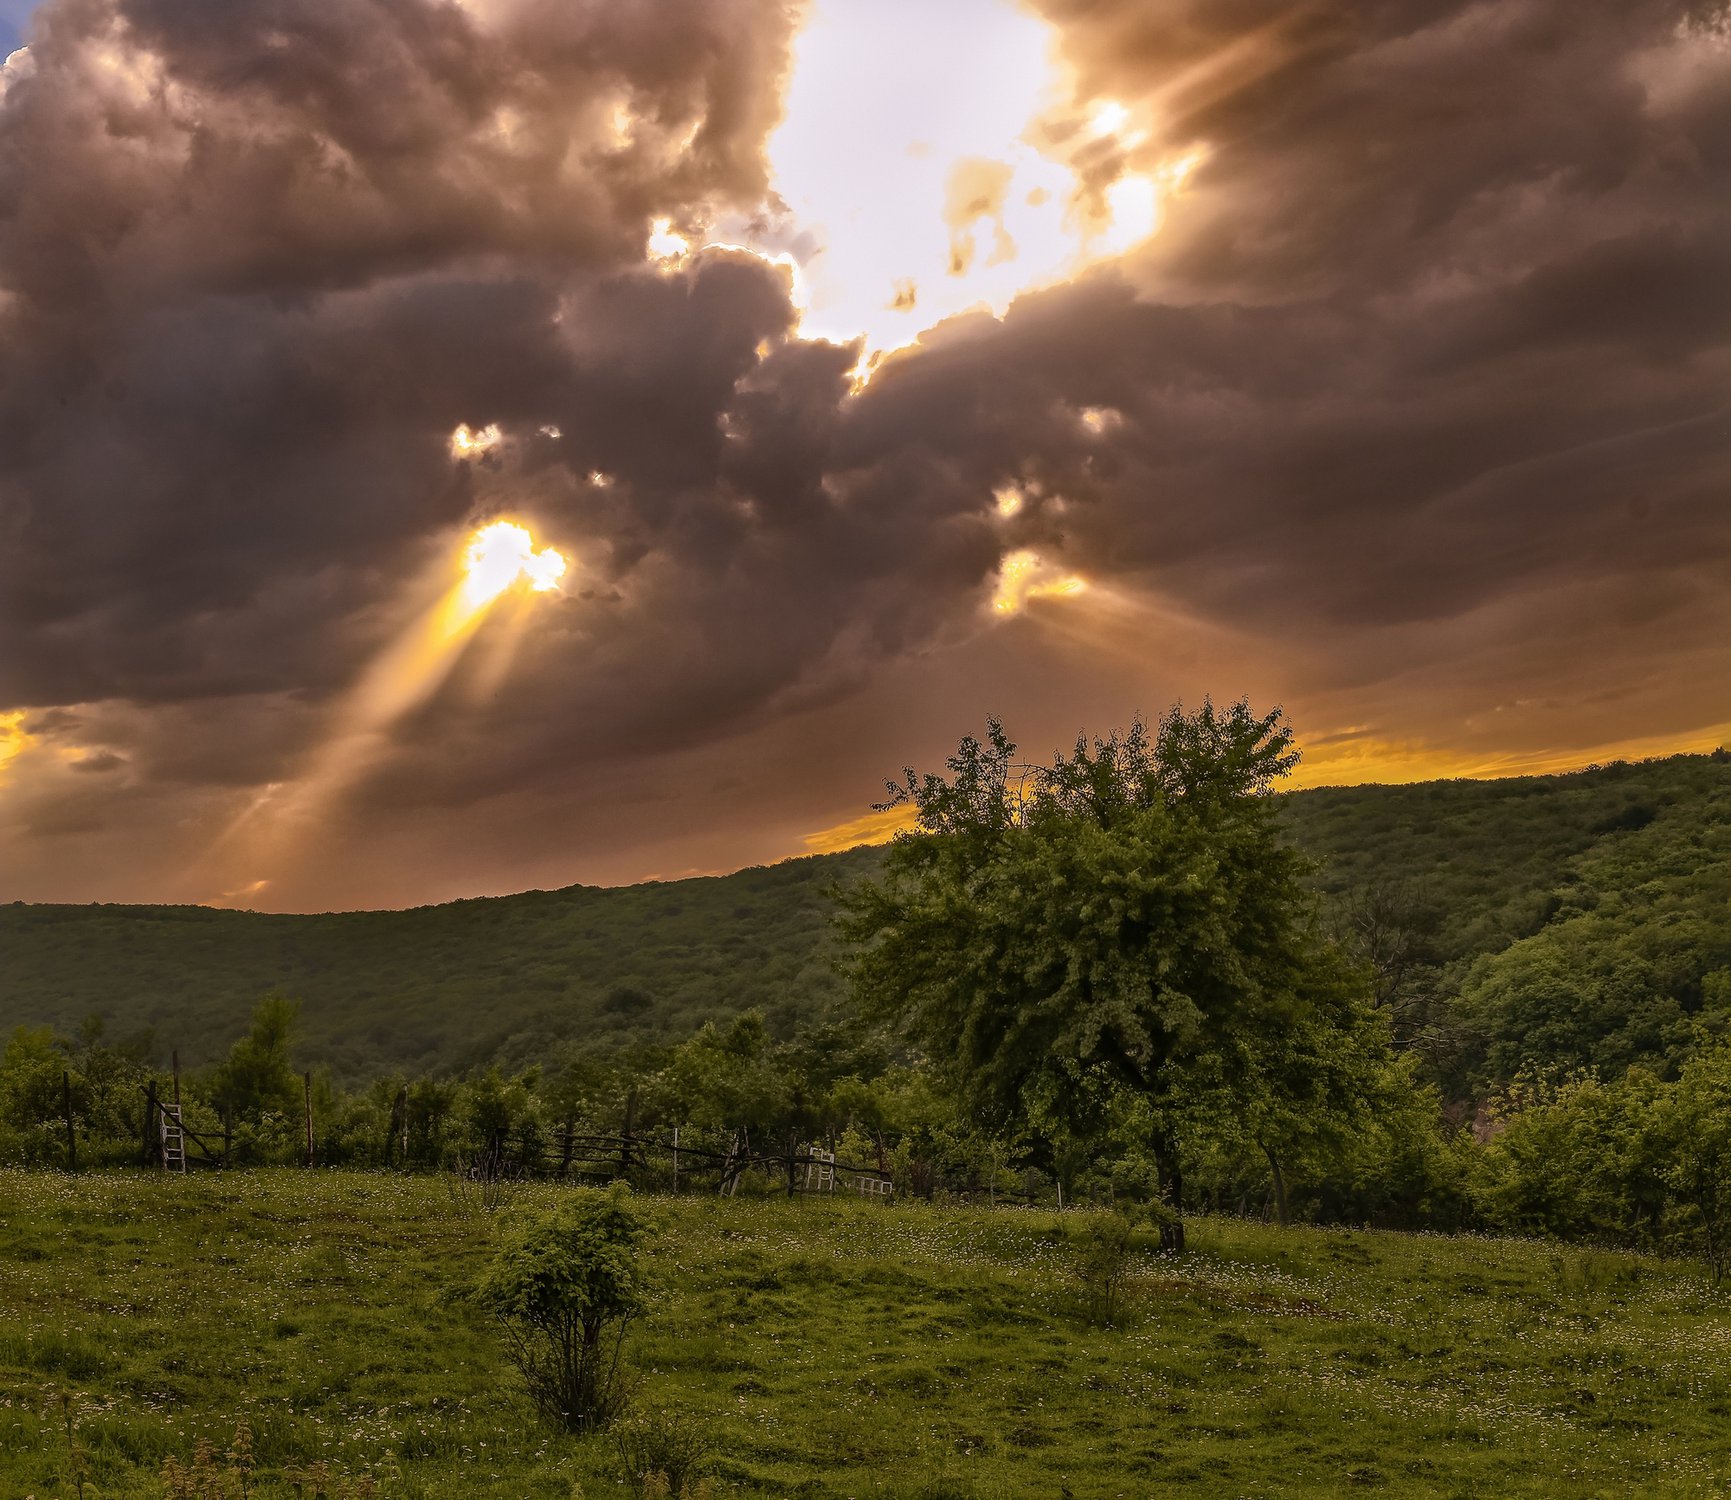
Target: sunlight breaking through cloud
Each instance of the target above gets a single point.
(1025, 575)
(504, 554)
(14, 740)
(472, 443)
(933, 162)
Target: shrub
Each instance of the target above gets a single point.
(664, 1453)
(566, 1289)
(479, 1184)
(1103, 1265)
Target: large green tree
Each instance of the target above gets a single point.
(1126, 918)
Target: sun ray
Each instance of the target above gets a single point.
(499, 560)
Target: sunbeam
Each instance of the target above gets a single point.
(497, 562)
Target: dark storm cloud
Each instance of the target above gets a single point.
(1437, 338)
(256, 261)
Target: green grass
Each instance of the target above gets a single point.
(835, 1348)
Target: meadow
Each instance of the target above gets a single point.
(830, 1347)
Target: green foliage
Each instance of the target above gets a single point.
(40, 1071)
(1125, 919)
(256, 1077)
(1579, 1160)
(726, 1079)
(664, 1452)
(1637, 1161)
(1448, 872)
(1556, 922)
(566, 1288)
(1636, 948)
(31, 1096)
(1103, 1265)
(1695, 1123)
(506, 979)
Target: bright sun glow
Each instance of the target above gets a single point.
(470, 443)
(503, 554)
(1025, 575)
(13, 739)
(664, 244)
(931, 158)
(934, 160)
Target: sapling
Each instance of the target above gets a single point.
(566, 1288)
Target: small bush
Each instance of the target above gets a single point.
(566, 1289)
(1102, 1265)
(664, 1453)
(479, 1184)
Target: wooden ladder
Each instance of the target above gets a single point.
(173, 1139)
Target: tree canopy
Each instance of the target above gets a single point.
(1128, 918)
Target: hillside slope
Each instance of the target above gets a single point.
(1480, 867)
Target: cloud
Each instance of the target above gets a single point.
(1412, 414)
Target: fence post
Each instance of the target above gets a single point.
(675, 1158)
(71, 1139)
(307, 1081)
(625, 1139)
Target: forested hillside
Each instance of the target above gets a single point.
(1557, 920)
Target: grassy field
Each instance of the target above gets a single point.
(835, 1348)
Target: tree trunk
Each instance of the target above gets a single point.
(71, 1139)
(150, 1137)
(395, 1127)
(1172, 1190)
(627, 1140)
(1172, 1234)
(1279, 1184)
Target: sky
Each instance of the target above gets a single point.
(13, 16)
(453, 448)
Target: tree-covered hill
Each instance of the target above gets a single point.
(1548, 922)
(439, 985)
(1554, 919)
